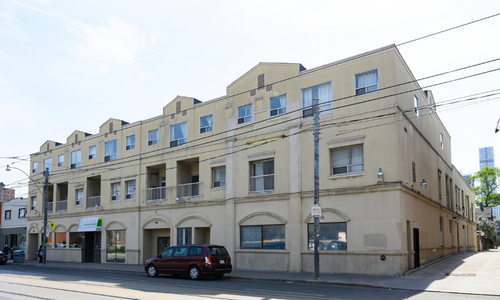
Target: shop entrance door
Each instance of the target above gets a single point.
(163, 242)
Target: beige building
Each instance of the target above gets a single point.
(238, 171)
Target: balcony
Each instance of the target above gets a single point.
(50, 207)
(62, 205)
(188, 190)
(156, 194)
(93, 202)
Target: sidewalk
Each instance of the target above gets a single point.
(465, 272)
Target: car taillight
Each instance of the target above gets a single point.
(229, 258)
(208, 260)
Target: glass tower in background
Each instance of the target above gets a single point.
(487, 158)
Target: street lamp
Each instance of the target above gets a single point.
(46, 198)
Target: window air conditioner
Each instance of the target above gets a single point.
(107, 158)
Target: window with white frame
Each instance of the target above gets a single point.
(92, 152)
(7, 214)
(245, 114)
(415, 101)
(153, 137)
(35, 167)
(178, 134)
(441, 231)
(110, 149)
(33, 203)
(219, 177)
(347, 160)
(441, 140)
(367, 82)
(262, 176)
(23, 213)
(115, 191)
(130, 189)
(277, 106)
(78, 197)
(130, 142)
(47, 164)
(76, 159)
(206, 124)
(60, 160)
(321, 92)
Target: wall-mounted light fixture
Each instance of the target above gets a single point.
(98, 206)
(178, 198)
(380, 175)
(423, 183)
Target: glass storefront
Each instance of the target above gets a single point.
(115, 246)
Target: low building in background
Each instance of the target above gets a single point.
(13, 223)
(238, 171)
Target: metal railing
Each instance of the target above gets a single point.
(157, 193)
(50, 207)
(62, 205)
(92, 202)
(188, 190)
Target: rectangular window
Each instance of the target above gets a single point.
(35, 167)
(22, 213)
(441, 140)
(47, 164)
(415, 100)
(333, 236)
(277, 106)
(115, 192)
(152, 137)
(184, 236)
(219, 177)
(245, 114)
(110, 149)
(178, 134)
(347, 160)
(130, 142)
(130, 186)
(321, 92)
(262, 237)
(413, 172)
(115, 246)
(33, 203)
(441, 231)
(92, 152)
(262, 176)
(451, 233)
(367, 82)
(60, 241)
(206, 123)
(7, 214)
(75, 239)
(60, 160)
(78, 197)
(76, 158)
(439, 184)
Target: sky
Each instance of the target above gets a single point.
(72, 65)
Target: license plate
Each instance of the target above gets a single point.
(222, 261)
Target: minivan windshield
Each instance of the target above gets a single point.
(218, 251)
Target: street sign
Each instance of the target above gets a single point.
(322, 218)
(316, 211)
(52, 225)
(47, 231)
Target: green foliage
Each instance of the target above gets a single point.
(487, 226)
(488, 179)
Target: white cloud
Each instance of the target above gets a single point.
(103, 46)
(11, 27)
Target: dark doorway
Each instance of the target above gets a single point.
(416, 247)
(88, 247)
(163, 242)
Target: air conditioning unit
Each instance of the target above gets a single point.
(73, 166)
(91, 156)
(152, 142)
(114, 198)
(107, 158)
(129, 196)
(129, 147)
(33, 171)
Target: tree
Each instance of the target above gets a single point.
(487, 226)
(488, 179)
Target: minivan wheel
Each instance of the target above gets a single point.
(194, 273)
(218, 276)
(152, 272)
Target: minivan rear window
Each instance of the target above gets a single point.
(218, 251)
(196, 251)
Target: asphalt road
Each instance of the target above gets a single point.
(26, 282)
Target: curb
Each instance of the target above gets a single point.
(409, 272)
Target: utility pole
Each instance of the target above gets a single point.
(316, 186)
(46, 183)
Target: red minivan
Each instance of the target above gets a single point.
(192, 260)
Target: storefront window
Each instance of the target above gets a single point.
(332, 236)
(75, 239)
(60, 240)
(263, 237)
(115, 246)
(49, 240)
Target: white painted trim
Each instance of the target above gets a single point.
(261, 156)
(357, 140)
